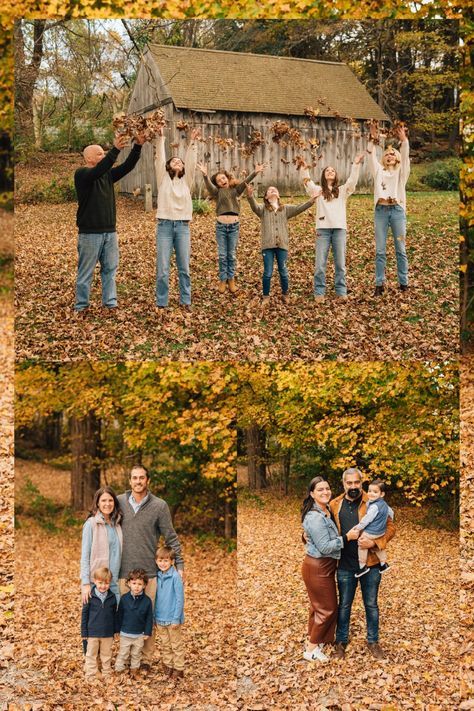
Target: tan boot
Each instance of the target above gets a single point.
(232, 285)
(265, 302)
(319, 299)
(285, 298)
(222, 287)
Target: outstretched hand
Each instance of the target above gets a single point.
(202, 168)
(140, 139)
(401, 133)
(360, 158)
(374, 132)
(260, 167)
(249, 190)
(120, 140)
(195, 134)
(317, 193)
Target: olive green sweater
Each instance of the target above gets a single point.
(226, 198)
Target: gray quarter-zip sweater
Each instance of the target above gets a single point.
(142, 531)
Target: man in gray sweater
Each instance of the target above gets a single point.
(145, 519)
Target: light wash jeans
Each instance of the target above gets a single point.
(99, 247)
(327, 238)
(390, 216)
(281, 255)
(227, 237)
(173, 235)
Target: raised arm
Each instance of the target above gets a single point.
(243, 184)
(351, 182)
(374, 165)
(128, 164)
(368, 518)
(255, 207)
(405, 159)
(190, 159)
(160, 158)
(309, 185)
(293, 210)
(213, 190)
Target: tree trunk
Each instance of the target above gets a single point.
(228, 518)
(86, 450)
(255, 439)
(286, 462)
(25, 80)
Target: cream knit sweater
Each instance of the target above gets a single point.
(390, 183)
(174, 195)
(331, 214)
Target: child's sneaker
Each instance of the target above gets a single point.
(384, 568)
(362, 572)
(316, 654)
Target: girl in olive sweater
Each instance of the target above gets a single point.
(226, 190)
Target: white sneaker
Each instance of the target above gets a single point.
(316, 655)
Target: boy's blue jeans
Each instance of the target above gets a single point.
(390, 216)
(99, 247)
(173, 235)
(325, 239)
(281, 255)
(227, 237)
(347, 585)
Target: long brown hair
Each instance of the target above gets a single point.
(232, 180)
(116, 515)
(328, 193)
(267, 202)
(308, 502)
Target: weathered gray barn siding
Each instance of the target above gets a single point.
(338, 145)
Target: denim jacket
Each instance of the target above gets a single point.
(324, 540)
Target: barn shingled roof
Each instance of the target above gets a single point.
(204, 79)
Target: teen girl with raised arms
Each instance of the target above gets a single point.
(331, 225)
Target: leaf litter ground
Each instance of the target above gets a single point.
(418, 602)
(47, 620)
(467, 534)
(420, 324)
(6, 458)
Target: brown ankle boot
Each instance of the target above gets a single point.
(232, 285)
(222, 287)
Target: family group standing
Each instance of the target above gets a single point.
(131, 585)
(96, 219)
(339, 551)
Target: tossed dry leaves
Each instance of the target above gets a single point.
(421, 324)
(467, 532)
(6, 459)
(418, 602)
(49, 649)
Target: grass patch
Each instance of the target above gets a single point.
(51, 516)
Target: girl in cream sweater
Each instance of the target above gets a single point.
(331, 225)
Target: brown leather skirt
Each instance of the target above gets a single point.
(320, 580)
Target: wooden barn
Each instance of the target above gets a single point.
(232, 96)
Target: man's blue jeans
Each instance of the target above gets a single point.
(326, 238)
(390, 216)
(227, 237)
(281, 255)
(99, 247)
(347, 585)
(173, 235)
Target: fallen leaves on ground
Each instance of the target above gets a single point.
(48, 645)
(419, 324)
(467, 532)
(6, 460)
(418, 603)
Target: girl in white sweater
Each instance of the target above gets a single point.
(174, 179)
(331, 225)
(390, 177)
